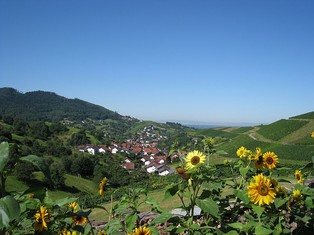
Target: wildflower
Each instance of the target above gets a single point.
(194, 158)
(102, 186)
(41, 219)
(101, 232)
(270, 160)
(73, 206)
(64, 231)
(141, 231)
(79, 219)
(259, 162)
(242, 152)
(260, 191)
(296, 193)
(298, 175)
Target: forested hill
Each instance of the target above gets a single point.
(48, 106)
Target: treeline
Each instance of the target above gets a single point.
(48, 106)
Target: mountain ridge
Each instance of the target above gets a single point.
(48, 106)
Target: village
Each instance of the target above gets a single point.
(143, 146)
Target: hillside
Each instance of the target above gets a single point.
(48, 106)
(290, 138)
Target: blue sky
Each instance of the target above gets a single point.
(213, 61)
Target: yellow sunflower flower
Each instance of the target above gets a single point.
(242, 152)
(312, 134)
(101, 232)
(296, 193)
(73, 206)
(66, 232)
(260, 191)
(102, 186)
(270, 160)
(194, 159)
(78, 219)
(141, 231)
(259, 162)
(41, 219)
(299, 176)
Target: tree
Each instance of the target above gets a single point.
(24, 171)
(57, 173)
(79, 138)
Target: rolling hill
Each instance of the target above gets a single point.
(48, 106)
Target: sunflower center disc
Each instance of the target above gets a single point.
(269, 160)
(263, 190)
(195, 160)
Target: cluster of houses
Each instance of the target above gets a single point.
(144, 148)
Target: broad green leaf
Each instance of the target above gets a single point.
(242, 195)
(9, 210)
(308, 202)
(171, 190)
(238, 226)
(243, 171)
(64, 201)
(130, 220)
(4, 155)
(39, 163)
(279, 202)
(308, 166)
(232, 232)
(154, 204)
(209, 206)
(258, 210)
(221, 152)
(162, 218)
(260, 230)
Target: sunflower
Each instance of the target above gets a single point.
(41, 219)
(182, 172)
(73, 206)
(259, 162)
(270, 160)
(102, 186)
(194, 158)
(242, 152)
(141, 231)
(101, 232)
(298, 175)
(66, 232)
(312, 134)
(260, 191)
(296, 193)
(79, 219)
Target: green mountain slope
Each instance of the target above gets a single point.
(48, 106)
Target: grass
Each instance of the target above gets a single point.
(281, 128)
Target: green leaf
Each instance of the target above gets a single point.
(130, 220)
(39, 163)
(279, 202)
(258, 210)
(242, 195)
(164, 217)
(171, 190)
(4, 155)
(221, 152)
(308, 202)
(154, 204)
(64, 201)
(260, 230)
(232, 232)
(238, 226)
(209, 206)
(243, 171)
(9, 210)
